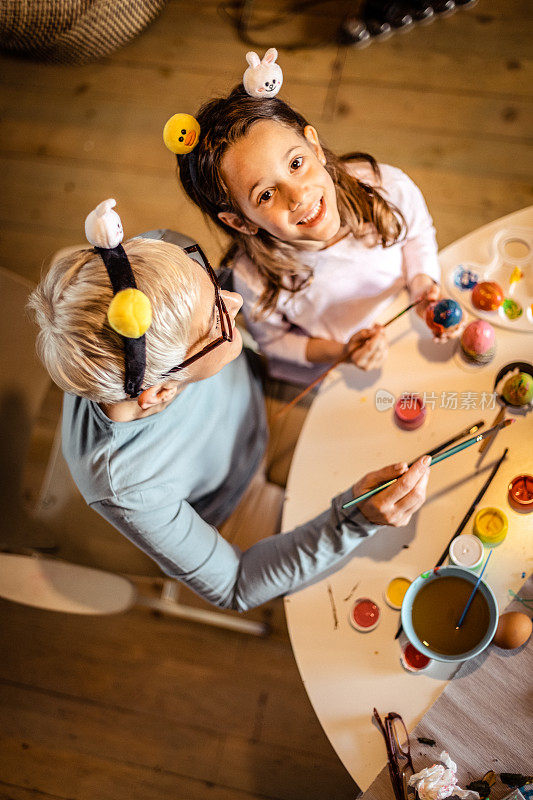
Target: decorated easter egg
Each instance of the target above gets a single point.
(478, 337)
(443, 315)
(518, 389)
(487, 296)
(130, 313)
(514, 629)
(465, 278)
(511, 308)
(447, 313)
(429, 319)
(478, 342)
(181, 133)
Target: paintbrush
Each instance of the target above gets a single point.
(434, 460)
(467, 516)
(340, 360)
(470, 430)
(474, 590)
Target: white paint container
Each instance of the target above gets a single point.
(466, 551)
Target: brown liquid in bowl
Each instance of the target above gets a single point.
(437, 609)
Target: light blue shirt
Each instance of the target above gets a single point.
(167, 480)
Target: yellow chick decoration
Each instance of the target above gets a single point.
(181, 133)
(130, 313)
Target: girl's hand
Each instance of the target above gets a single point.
(397, 504)
(446, 335)
(371, 348)
(425, 289)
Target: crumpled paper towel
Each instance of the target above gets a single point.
(438, 782)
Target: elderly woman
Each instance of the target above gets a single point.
(170, 463)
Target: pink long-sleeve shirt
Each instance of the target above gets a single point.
(354, 280)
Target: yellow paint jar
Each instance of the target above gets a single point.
(395, 592)
(490, 525)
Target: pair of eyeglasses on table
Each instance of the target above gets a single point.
(399, 760)
(224, 317)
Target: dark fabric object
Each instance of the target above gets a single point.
(135, 364)
(122, 277)
(72, 31)
(118, 268)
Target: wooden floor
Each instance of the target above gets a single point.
(147, 708)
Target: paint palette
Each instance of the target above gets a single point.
(511, 267)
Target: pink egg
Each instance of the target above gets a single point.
(478, 337)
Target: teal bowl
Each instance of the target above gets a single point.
(430, 575)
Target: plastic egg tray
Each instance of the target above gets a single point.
(511, 266)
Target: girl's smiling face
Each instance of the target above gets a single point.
(278, 179)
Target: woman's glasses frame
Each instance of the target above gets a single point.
(225, 319)
(398, 755)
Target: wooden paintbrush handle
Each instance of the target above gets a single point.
(485, 443)
(318, 380)
(348, 355)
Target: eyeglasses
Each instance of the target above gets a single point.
(225, 319)
(398, 751)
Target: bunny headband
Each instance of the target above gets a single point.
(262, 79)
(130, 310)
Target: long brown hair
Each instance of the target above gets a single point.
(223, 121)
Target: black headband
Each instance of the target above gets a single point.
(121, 277)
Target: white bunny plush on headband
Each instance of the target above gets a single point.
(103, 227)
(263, 78)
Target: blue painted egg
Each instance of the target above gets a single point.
(464, 278)
(447, 313)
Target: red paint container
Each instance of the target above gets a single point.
(520, 493)
(364, 615)
(409, 412)
(412, 660)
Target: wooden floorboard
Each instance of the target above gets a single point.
(13, 792)
(141, 706)
(140, 694)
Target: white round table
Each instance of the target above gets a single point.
(347, 673)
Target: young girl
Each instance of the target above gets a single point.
(322, 244)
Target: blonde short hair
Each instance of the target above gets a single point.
(80, 350)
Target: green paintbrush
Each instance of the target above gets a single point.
(435, 460)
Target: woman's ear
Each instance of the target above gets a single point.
(311, 135)
(237, 223)
(157, 395)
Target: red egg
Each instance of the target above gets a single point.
(487, 296)
(433, 326)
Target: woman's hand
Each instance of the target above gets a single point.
(369, 346)
(397, 504)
